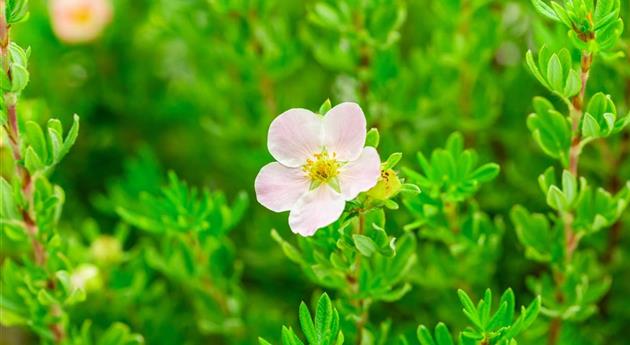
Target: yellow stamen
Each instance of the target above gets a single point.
(322, 168)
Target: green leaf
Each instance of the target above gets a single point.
(562, 14)
(469, 308)
(289, 337)
(36, 140)
(262, 341)
(323, 317)
(556, 199)
(573, 84)
(326, 16)
(372, 138)
(325, 107)
(32, 162)
(20, 77)
(71, 137)
(534, 69)
(442, 335)
(17, 11)
(569, 186)
(306, 322)
(590, 127)
(424, 336)
(531, 313)
(601, 114)
(547, 179)
(396, 294)
(455, 144)
(545, 10)
(485, 306)
(527, 317)
(364, 244)
(498, 318)
(555, 74)
(508, 299)
(550, 129)
(8, 209)
(534, 232)
(391, 161)
(603, 10)
(486, 172)
(290, 251)
(466, 301)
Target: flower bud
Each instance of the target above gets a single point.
(387, 186)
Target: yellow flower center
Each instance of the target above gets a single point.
(82, 14)
(322, 168)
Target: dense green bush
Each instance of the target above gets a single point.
(504, 149)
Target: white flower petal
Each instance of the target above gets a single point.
(345, 130)
(316, 209)
(360, 175)
(278, 188)
(294, 136)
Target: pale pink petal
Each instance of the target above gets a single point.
(344, 131)
(316, 209)
(360, 175)
(295, 136)
(278, 188)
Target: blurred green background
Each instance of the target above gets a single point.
(192, 86)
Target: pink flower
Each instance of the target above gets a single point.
(79, 21)
(321, 164)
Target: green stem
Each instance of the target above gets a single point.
(13, 132)
(361, 304)
(571, 240)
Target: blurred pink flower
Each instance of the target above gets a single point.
(321, 164)
(79, 21)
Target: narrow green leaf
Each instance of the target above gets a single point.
(424, 336)
(323, 316)
(486, 172)
(442, 335)
(485, 307)
(534, 69)
(306, 322)
(561, 13)
(325, 107)
(36, 140)
(466, 302)
(508, 298)
(262, 341)
(391, 161)
(545, 10)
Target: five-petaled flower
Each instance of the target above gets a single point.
(321, 164)
(79, 21)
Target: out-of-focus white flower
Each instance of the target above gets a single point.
(86, 277)
(106, 250)
(79, 21)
